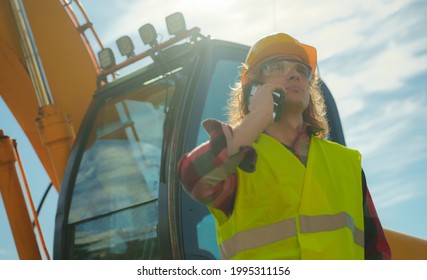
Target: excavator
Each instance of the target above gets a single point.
(110, 143)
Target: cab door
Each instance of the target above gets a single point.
(109, 205)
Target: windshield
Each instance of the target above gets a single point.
(113, 211)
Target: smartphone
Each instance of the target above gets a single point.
(278, 98)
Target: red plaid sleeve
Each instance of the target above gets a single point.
(208, 172)
(376, 245)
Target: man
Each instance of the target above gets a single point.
(276, 187)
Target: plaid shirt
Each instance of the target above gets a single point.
(208, 174)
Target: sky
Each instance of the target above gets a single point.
(372, 56)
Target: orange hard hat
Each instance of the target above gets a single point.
(275, 46)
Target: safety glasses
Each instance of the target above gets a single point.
(283, 66)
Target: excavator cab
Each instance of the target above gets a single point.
(120, 196)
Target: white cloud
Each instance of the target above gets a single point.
(349, 106)
(392, 192)
(138, 13)
(390, 69)
(385, 73)
(388, 131)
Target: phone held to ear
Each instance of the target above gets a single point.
(278, 98)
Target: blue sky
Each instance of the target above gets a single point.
(372, 56)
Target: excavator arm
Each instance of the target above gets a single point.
(70, 72)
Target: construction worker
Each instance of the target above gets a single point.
(276, 188)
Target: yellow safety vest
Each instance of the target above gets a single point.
(285, 210)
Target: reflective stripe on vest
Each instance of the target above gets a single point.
(256, 237)
(265, 235)
(311, 224)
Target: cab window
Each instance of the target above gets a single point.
(114, 205)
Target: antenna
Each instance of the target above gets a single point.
(274, 17)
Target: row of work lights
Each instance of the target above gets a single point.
(175, 24)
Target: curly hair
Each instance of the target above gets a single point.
(315, 114)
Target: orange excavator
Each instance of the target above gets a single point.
(110, 145)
